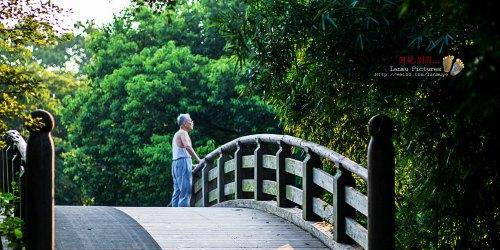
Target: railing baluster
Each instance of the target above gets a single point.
(258, 170)
(8, 173)
(312, 160)
(22, 191)
(16, 165)
(282, 177)
(342, 210)
(381, 184)
(204, 184)
(223, 158)
(2, 171)
(11, 169)
(238, 171)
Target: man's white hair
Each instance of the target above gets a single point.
(182, 118)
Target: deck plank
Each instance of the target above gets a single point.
(99, 228)
(220, 228)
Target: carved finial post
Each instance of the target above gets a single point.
(40, 158)
(381, 184)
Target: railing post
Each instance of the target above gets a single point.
(204, 184)
(7, 179)
(3, 157)
(282, 177)
(16, 171)
(258, 171)
(312, 160)
(22, 191)
(10, 168)
(238, 171)
(341, 209)
(196, 175)
(223, 158)
(40, 159)
(381, 207)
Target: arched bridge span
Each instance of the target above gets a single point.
(257, 191)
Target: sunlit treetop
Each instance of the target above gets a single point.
(23, 25)
(156, 5)
(26, 22)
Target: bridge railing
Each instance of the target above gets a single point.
(12, 162)
(31, 165)
(263, 167)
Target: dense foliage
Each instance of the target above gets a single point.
(11, 226)
(23, 24)
(25, 85)
(146, 69)
(67, 53)
(314, 61)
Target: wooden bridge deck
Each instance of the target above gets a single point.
(99, 228)
(176, 228)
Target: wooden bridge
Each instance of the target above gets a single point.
(256, 192)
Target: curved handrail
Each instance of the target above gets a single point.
(322, 151)
(265, 176)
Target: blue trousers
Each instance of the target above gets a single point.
(182, 176)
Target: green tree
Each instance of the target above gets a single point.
(22, 25)
(314, 61)
(120, 126)
(142, 28)
(64, 61)
(25, 85)
(67, 53)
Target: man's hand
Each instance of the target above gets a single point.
(201, 161)
(198, 166)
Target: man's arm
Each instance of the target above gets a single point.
(186, 143)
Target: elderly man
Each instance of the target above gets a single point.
(182, 152)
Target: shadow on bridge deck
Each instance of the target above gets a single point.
(120, 228)
(99, 228)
